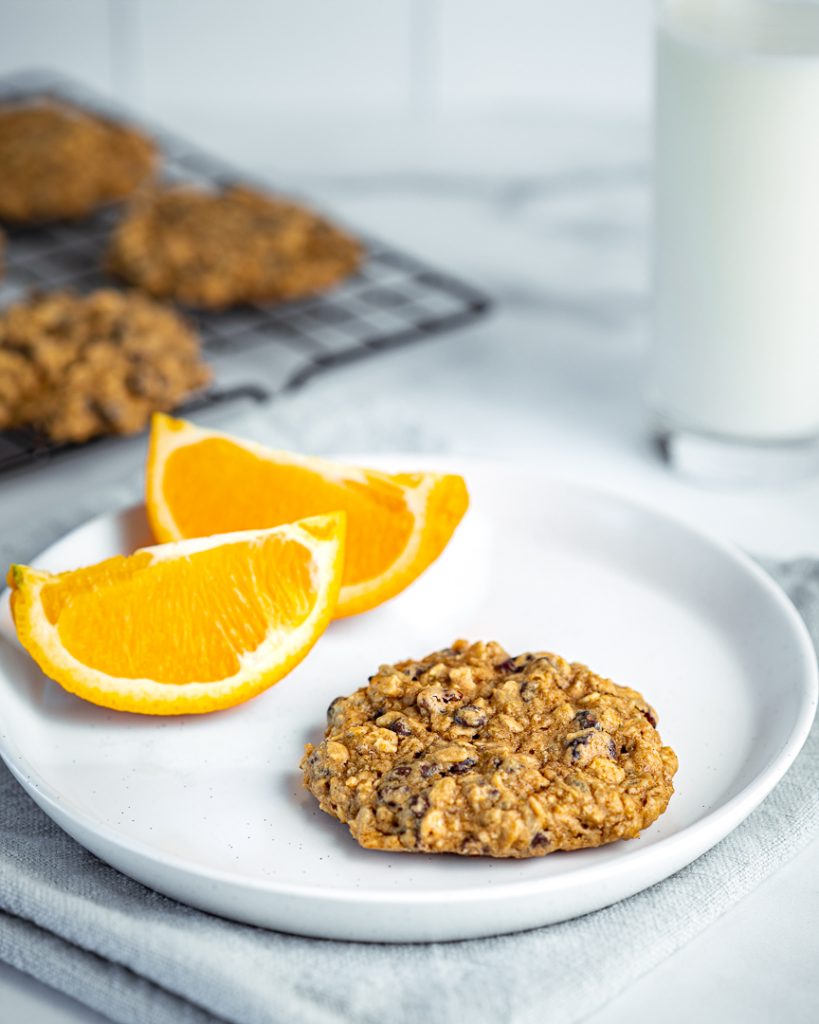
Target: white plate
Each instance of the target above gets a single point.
(210, 809)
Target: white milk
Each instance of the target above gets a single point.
(736, 327)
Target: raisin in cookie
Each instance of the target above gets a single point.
(218, 249)
(78, 366)
(472, 752)
(57, 161)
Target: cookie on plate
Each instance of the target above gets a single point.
(57, 161)
(472, 752)
(213, 249)
(78, 366)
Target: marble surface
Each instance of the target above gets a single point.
(550, 216)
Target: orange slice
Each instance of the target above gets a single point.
(201, 482)
(186, 627)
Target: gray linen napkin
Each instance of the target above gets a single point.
(140, 958)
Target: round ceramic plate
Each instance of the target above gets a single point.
(210, 809)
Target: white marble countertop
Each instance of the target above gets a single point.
(549, 215)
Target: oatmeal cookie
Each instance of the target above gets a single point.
(219, 249)
(78, 366)
(472, 752)
(57, 161)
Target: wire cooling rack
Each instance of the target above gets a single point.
(25, 446)
(393, 300)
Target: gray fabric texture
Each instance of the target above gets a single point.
(140, 958)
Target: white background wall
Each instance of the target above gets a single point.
(184, 58)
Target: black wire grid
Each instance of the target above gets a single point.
(393, 300)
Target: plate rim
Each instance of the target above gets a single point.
(710, 827)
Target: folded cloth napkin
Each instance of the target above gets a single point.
(140, 958)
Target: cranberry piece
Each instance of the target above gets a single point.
(419, 805)
(587, 720)
(510, 665)
(414, 670)
(575, 745)
(470, 716)
(331, 710)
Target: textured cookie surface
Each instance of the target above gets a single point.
(218, 249)
(77, 366)
(469, 751)
(57, 161)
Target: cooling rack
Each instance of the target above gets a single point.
(395, 298)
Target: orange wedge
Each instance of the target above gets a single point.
(187, 627)
(201, 482)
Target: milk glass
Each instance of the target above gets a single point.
(734, 370)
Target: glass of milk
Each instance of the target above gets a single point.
(734, 369)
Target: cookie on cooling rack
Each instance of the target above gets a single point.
(57, 161)
(215, 249)
(472, 752)
(79, 366)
